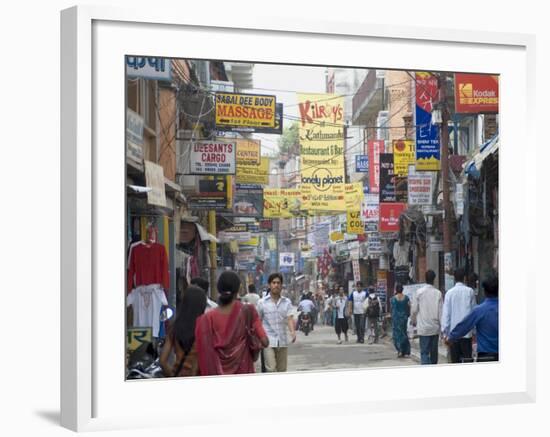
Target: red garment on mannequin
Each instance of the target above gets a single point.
(148, 265)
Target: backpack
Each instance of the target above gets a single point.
(373, 307)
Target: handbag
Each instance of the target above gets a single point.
(254, 343)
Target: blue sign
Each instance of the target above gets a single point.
(149, 68)
(362, 163)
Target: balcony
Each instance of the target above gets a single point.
(369, 98)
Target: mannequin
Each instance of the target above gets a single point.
(148, 280)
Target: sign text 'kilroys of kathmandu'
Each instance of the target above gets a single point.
(322, 151)
(246, 110)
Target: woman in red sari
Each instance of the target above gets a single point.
(221, 334)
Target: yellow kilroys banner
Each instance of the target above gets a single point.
(282, 202)
(322, 151)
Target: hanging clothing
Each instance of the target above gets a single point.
(148, 265)
(146, 302)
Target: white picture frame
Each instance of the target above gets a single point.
(94, 395)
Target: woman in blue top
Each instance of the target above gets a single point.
(400, 311)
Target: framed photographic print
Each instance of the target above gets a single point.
(324, 178)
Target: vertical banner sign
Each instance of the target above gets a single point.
(354, 224)
(389, 216)
(476, 93)
(403, 156)
(387, 178)
(371, 213)
(322, 151)
(382, 287)
(428, 149)
(375, 148)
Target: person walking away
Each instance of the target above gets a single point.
(328, 309)
(459, 302)
(251, 297)
(306, 306)
(275, 313)
(205, 285)
(222, 335)
(372, 307)
(484, 318)
(400, 312)
(426, 311)
(356, 307)
(180, 341)
(340, 302)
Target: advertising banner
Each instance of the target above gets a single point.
(374, 149)
(212, 158)
(371, 212)
(282, 202)
(382, 288)
(248, 203)
(212, 195)
(420, 189)
(476, 93)
(248, 151)
(266, 225)
(322, 151)
(403, 156)
(286, 259)
(244, 110)
(428, 150)
(374, 245)
(387, 178)
(389, 216)
(278, 129)
(354, 223)
(149, 68)
(354, 196)
(253, 174)
(401, 189)
(362, 163)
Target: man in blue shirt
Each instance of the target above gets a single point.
(484, 318)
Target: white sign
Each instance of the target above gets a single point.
(148, 68)
(356, 271)
(286, 259)
(420, 189)
(212, 157)
(459, 198)
(411, 289)
(374, 245)
(154, 178)
(371, 208)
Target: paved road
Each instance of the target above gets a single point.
(320, 351)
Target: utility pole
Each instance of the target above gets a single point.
(444, 137)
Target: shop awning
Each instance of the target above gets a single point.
(473, 166)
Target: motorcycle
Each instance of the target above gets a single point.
(144, 362)
(305, 323)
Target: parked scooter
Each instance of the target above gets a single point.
(144, 362)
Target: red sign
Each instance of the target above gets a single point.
(389, 216)
(476, 93)
(374, 149)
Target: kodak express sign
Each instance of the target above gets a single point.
(476, 93)
(244, 110)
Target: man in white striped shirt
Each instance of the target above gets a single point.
(459, 302)
(426, 312)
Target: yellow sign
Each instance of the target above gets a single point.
(354, 223)
(253, 174)
(322, 151)
(282, 202)
(135, 337)
(403, 156)
(336, 236)
(254, 241)
(354, 196)
(244, 110)
(248, 151)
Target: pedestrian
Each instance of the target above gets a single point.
(356, 300)
(426, 311)
(222, 335)
(484, 318)
(251, 297)
(340, 302)
(328, 309)
(400, 312)
(372, 307)
(204, 285)
(276, 315)
(459, 302)
(180, 341)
